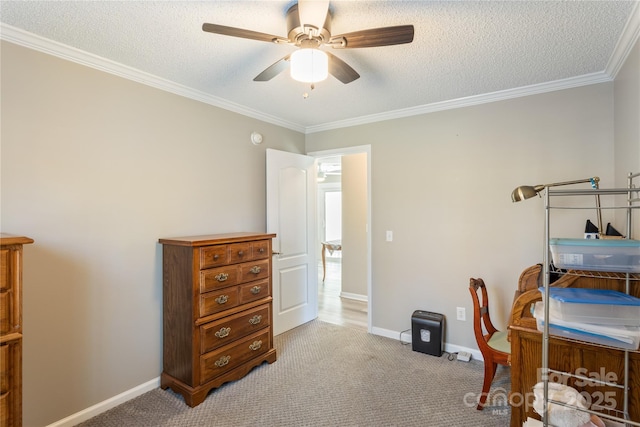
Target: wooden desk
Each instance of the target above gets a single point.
(332, 245)
(567, 356)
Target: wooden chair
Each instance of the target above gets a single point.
(493, 345)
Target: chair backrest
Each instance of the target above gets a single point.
(481, 315)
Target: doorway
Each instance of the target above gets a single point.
(329, 204)
(343, 190)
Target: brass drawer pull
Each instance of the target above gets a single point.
(256, 345)
(221, 277)
(255, 290)
(222, 299)
(240, 253)
(223, 332)
(215, 257)
(255, 269)
(261, 250)
(255, 319)
(223, 361)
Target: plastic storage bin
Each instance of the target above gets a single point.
(617, 255)
(600, 306)
(620, 336)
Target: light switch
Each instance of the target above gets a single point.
(389, 236)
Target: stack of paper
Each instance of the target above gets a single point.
(532, 422)
(622, 336)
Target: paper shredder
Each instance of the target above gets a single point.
(427, 332)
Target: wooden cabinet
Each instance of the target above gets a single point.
(11, 329)
(217, 310)
(592, 361)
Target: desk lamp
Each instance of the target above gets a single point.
(525, 192)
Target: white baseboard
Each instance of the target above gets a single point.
(105, 405)
(405, 337)
(356, 297)
(389, 334)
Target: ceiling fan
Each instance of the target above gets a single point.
(309, 28)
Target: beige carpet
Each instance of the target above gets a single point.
(330, 375)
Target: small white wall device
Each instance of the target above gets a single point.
(256, 138)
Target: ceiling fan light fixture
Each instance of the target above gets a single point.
(309, 65)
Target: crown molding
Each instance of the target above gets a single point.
(41, 44)
(587, 79)
(627, 40)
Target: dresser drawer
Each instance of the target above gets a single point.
(216, 278)
(250, 271)
(254, 291)
(5, 270)
(261, 249)
(240, 252)
(214, 302)
(5, 312)
(9, 382)
(233, 355)
(229, 329)
(4, 368)
(5, 294)
(214, 256)
(4, 409)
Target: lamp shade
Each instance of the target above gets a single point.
(309, 65)
(525, 192)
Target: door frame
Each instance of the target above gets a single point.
(359, 150)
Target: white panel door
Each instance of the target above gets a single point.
(291, 214)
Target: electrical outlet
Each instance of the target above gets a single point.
(461, 313)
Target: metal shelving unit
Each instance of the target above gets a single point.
(631, 279)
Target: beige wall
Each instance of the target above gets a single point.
(96, 168)
(354, 224)
(627, 124)
(442, 183)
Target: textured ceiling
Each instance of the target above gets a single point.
(461, 50)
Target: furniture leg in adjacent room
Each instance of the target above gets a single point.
(331, 246)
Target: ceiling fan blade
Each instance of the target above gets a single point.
(341, 70)
(313, 12)
(273, 70)
(239, 32)
(385, 36)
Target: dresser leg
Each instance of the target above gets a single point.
(192, 397)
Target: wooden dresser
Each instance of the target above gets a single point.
(11, 329)
(565, 355)
(217, 310)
